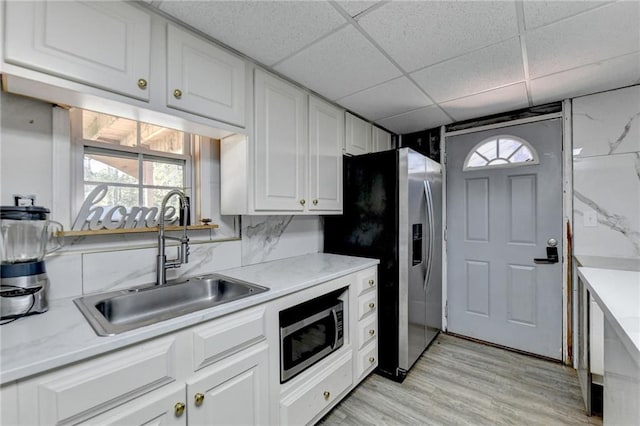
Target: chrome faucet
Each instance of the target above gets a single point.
(183, 254)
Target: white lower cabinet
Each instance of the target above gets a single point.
(366, 326)
(81, 391)
(232, 392)
(317, 393)
(164, 407)
(222, 372)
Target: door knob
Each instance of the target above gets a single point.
(142, 83)
(177, 93)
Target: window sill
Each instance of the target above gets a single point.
(131, 230)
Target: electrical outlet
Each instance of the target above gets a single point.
(590, 219)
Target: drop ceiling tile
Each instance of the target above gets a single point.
(606, 75)
(485, 69)
(414, 121)
(593, 36)
(355, 7)
(538, 13)
(339, 65)
(390, 98)
(420, 33)
(492, 102)
(267, 31)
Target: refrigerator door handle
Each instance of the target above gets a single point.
(429, 198)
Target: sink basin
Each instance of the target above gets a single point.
(123, 310)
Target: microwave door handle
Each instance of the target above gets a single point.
(334, 313)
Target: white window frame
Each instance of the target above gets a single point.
(78, 144)
(496, 139)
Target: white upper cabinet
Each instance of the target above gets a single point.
(326, 139)
(381, 140)
(358, 135)
(102, 44)
(280, 139)
(293, 162)
(203, 79)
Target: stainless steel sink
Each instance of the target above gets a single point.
(119, 311)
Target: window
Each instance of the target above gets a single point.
(138, 162)
(501, 151)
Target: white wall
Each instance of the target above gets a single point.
(606, 131)
(100, 263)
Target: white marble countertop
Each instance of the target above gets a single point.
(617, 292)
(62, 335)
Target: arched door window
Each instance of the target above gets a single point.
(501, 151)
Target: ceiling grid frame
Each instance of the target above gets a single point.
(375, 44)
(523, 48)
(476, 95)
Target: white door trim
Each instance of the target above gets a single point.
(567, 204)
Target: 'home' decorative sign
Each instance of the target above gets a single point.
(94, 218)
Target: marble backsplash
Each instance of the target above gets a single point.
(266, 238)
(606, 173)
(86, 266)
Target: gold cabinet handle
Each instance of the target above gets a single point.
(372, 332)
(315, 202)
(372, 359)
(179, 408)
(372, 305)
(177, 93)
(199, 399)
(326, 394)
(371, 283)
(302, 202)
(142, 83)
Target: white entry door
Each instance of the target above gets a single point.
(504, 209)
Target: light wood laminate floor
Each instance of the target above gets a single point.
(459, 382)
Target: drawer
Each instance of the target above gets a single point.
(367, 330)
(227, 335)
(367, 304)
(367, 280)
(303, 404)
(367, 359)
(83, 390)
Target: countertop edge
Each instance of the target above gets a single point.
(112, 343)
(631, 346)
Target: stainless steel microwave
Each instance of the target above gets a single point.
(309, 332)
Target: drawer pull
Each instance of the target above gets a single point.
(315, 202)
(142, 83)
(302, 202)
(372, 305)
(179, 408)
(326, 394)
(199, 399)
(372, 332)
(372, 359)
(177, 93)
(371, 283)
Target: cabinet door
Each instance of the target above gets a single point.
(234, 391)
(280, 139)
(158, 408)
(204, 79)
(358, 135)
(381, 140)
(102, 44)
(326, 139)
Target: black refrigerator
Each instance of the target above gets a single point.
(393, 212)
